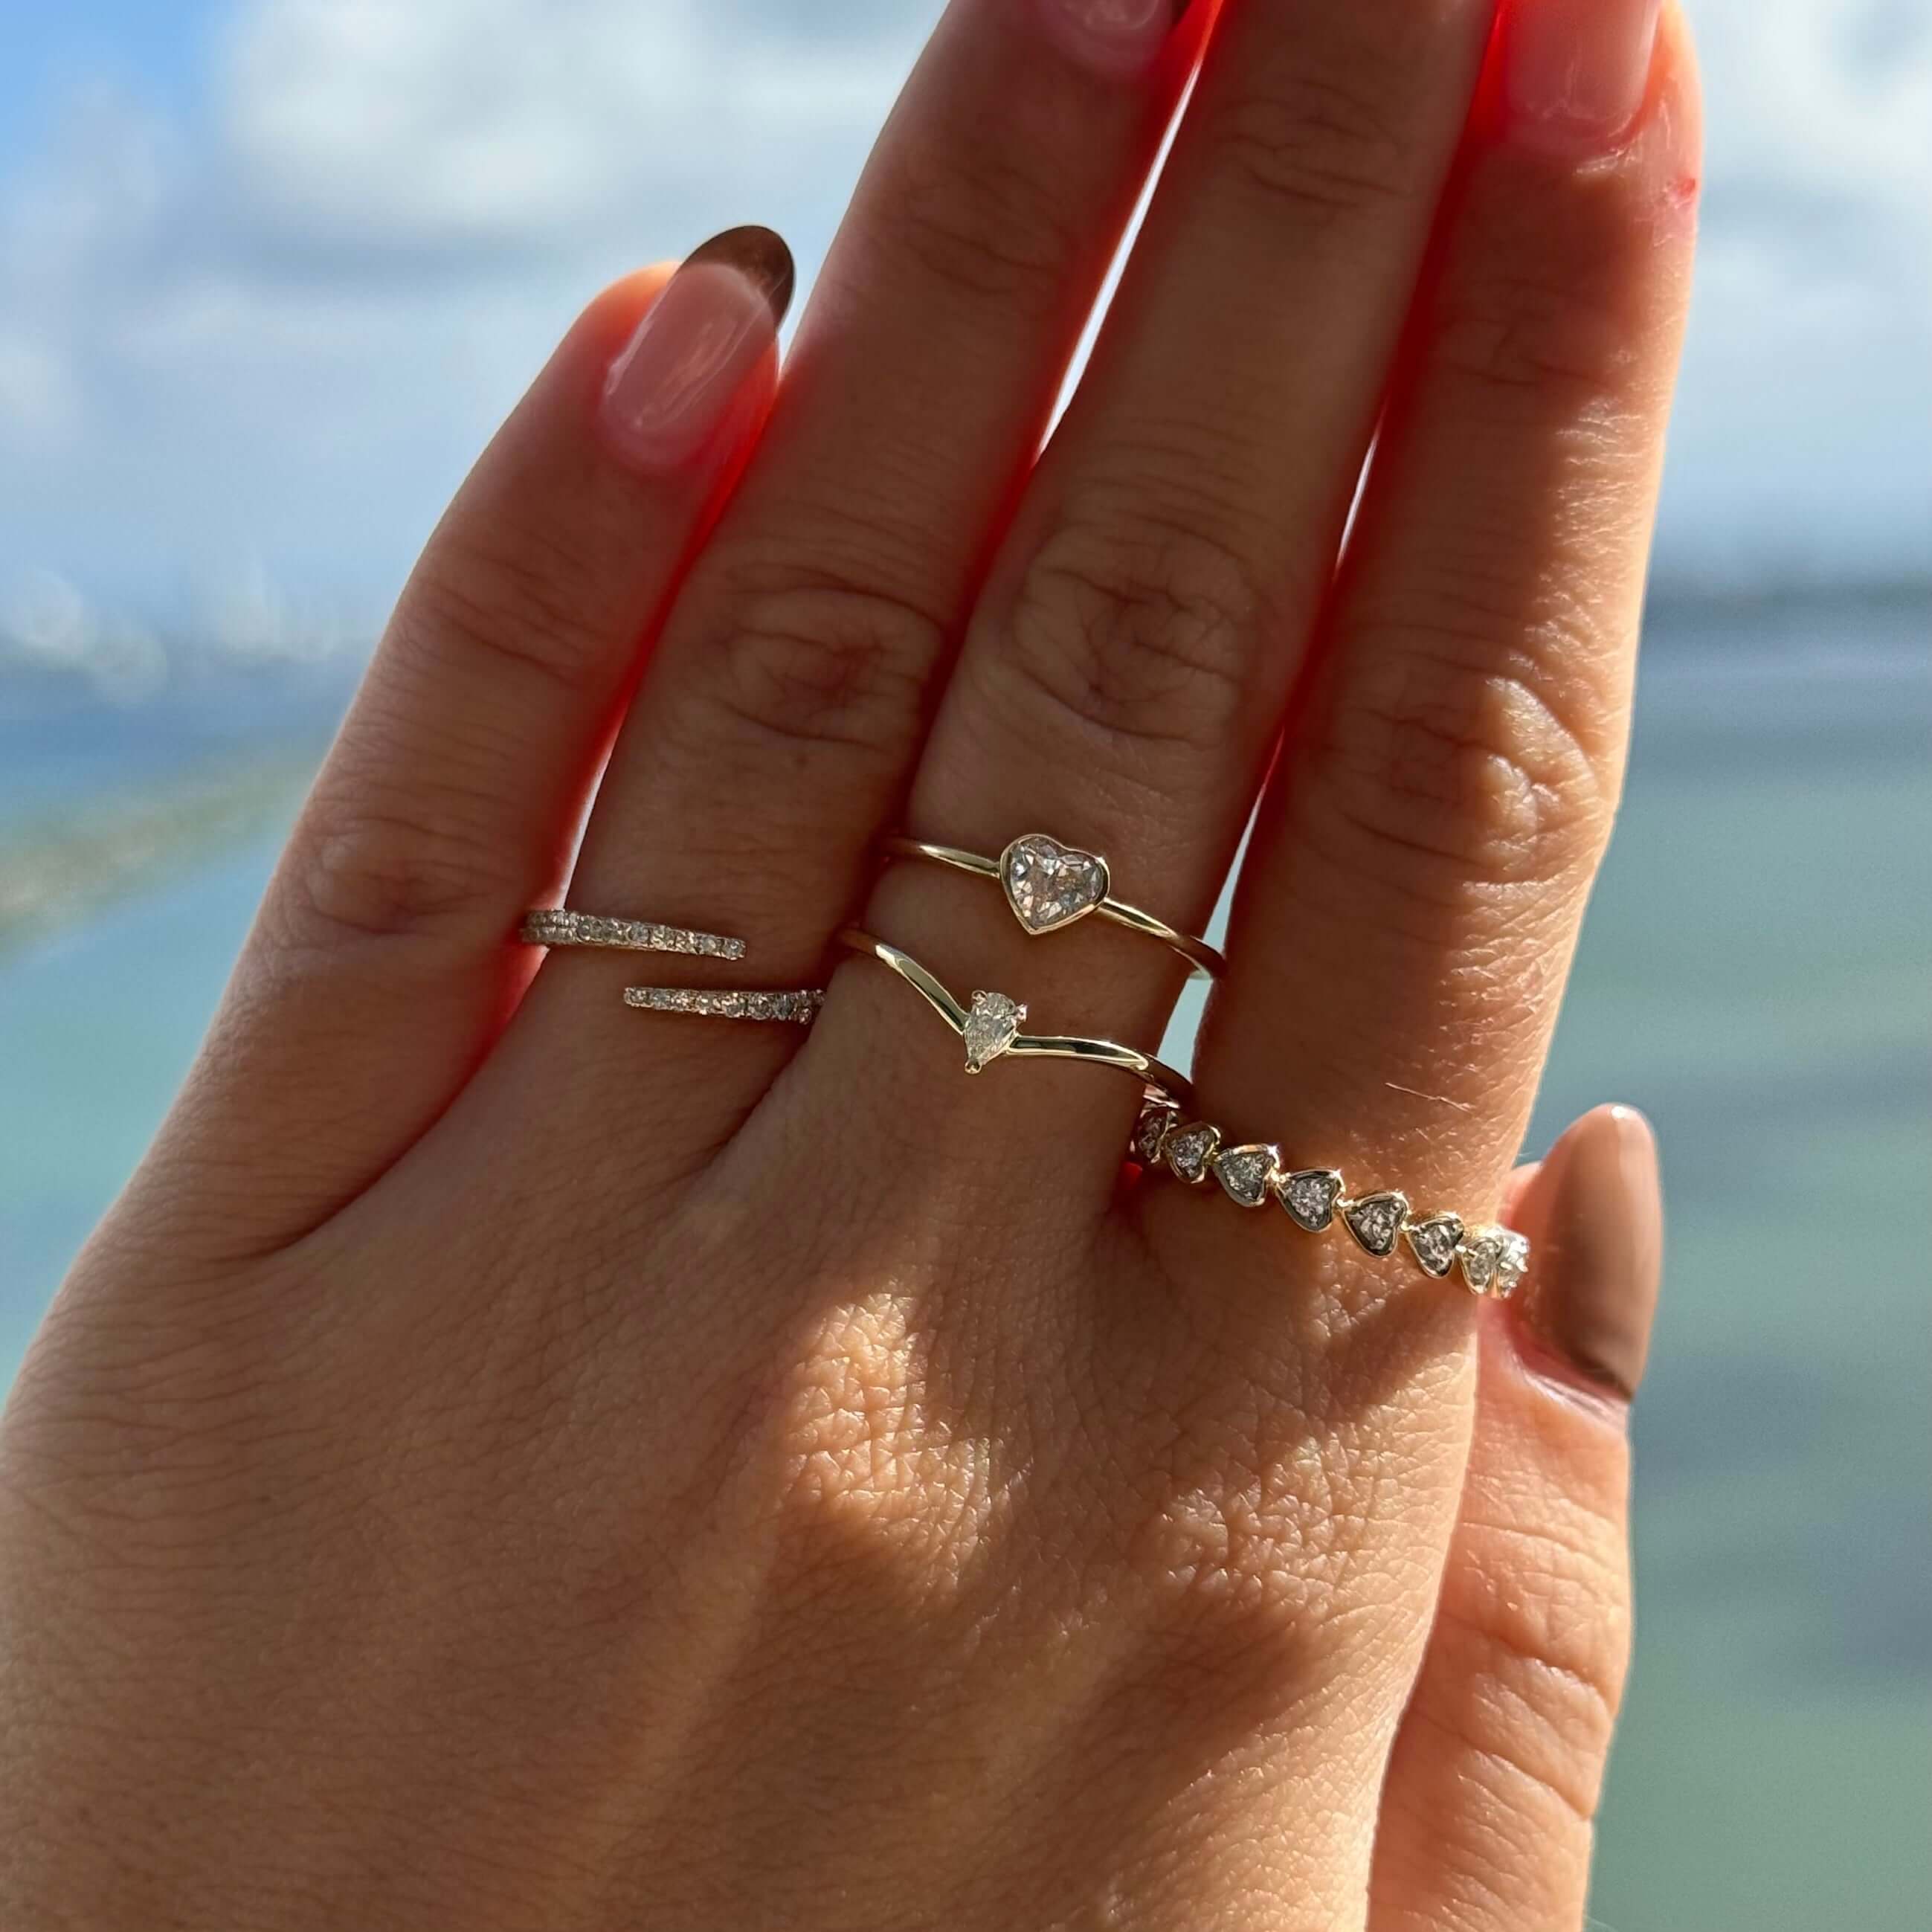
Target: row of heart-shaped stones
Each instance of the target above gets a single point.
(1493, 1260)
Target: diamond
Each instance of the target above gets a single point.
(1188, 1152)
(1479, 1251)
(1434, 1240)
(992, 1025)
(1376, 1220)
(1049, 885)
(1310, 1197)
(1244, 1173)
(1512, 1262)
(1149, 1131)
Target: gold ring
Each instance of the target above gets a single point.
(799, 1004)
(1493, 1260)
(1049, 885)
(556, 926)
(989, 1028)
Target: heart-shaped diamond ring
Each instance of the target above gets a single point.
(1049, 885)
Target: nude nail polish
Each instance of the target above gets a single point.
(670, 387)
(1575, 72)
(1593, 1296)
(1119, 39)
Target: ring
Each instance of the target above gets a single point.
(801, 1005)
(1049, 885)
(556, 926)
(1493, 1260)
(990, 1028)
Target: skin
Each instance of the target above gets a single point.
(509, 1461)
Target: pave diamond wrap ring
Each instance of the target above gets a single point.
(1049, 885)
(1493, 1260)
(989, 1027)
(557, 926)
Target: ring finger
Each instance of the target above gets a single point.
(1419, 868)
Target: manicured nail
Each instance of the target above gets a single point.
(1118, 38)
(1575, 72)
(1593, 1293)
(672, 385)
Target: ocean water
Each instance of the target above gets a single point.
(1754, 974)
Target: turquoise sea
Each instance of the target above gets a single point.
(1754, 975)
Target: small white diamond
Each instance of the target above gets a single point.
(1376, 1220)
(1244, 1173)
(1049, 885)
(1310, 1196)
(1188, 1153)
(1512, 1262)
(992, 1024)
(1149, 1132)
(1434, 1240)
(1480, 1251)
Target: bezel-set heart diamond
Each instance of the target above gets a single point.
(1244, 1173)
(1310, 1196)
(992, 1025)
(1479, 1251)
(1376, 1220)
(1187, 1151)
(1150, 1131)
(1512, 1263)
(1049, 885)
(1434, 1240)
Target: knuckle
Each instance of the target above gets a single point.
(372, 860)
(512, 600)
(1456, 766)
(1552, 292)
(1323, 142)
(990, 232)
(872, 1500)
(1538, 1645)
(1535, 335)
(1138, 636)
(811, 657)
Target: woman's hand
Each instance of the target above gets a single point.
(510, 1460)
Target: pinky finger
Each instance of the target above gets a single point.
(378, 971)
(1486, 1823)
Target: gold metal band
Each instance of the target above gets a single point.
(1049, 885)
(1493, 1260)
(799, 1004)
(557, 926)
(989, 1027)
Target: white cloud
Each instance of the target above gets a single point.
(280, 332)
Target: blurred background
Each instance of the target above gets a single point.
(270, 271)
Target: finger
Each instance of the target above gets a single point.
(1494, 1778)
(774, 733)
(1124, 675)
(379, 967)
(1412, 894)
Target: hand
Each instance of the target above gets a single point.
(511, 1461)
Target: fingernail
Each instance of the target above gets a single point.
(1593, 1295)
(1118, 38)
(1575, 72)
(671, 386)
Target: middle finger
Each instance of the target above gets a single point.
(1124, 674)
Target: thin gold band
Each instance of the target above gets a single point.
(1203, 958)
(989, 1027)
(563, 925)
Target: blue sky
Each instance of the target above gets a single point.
(270, 269)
